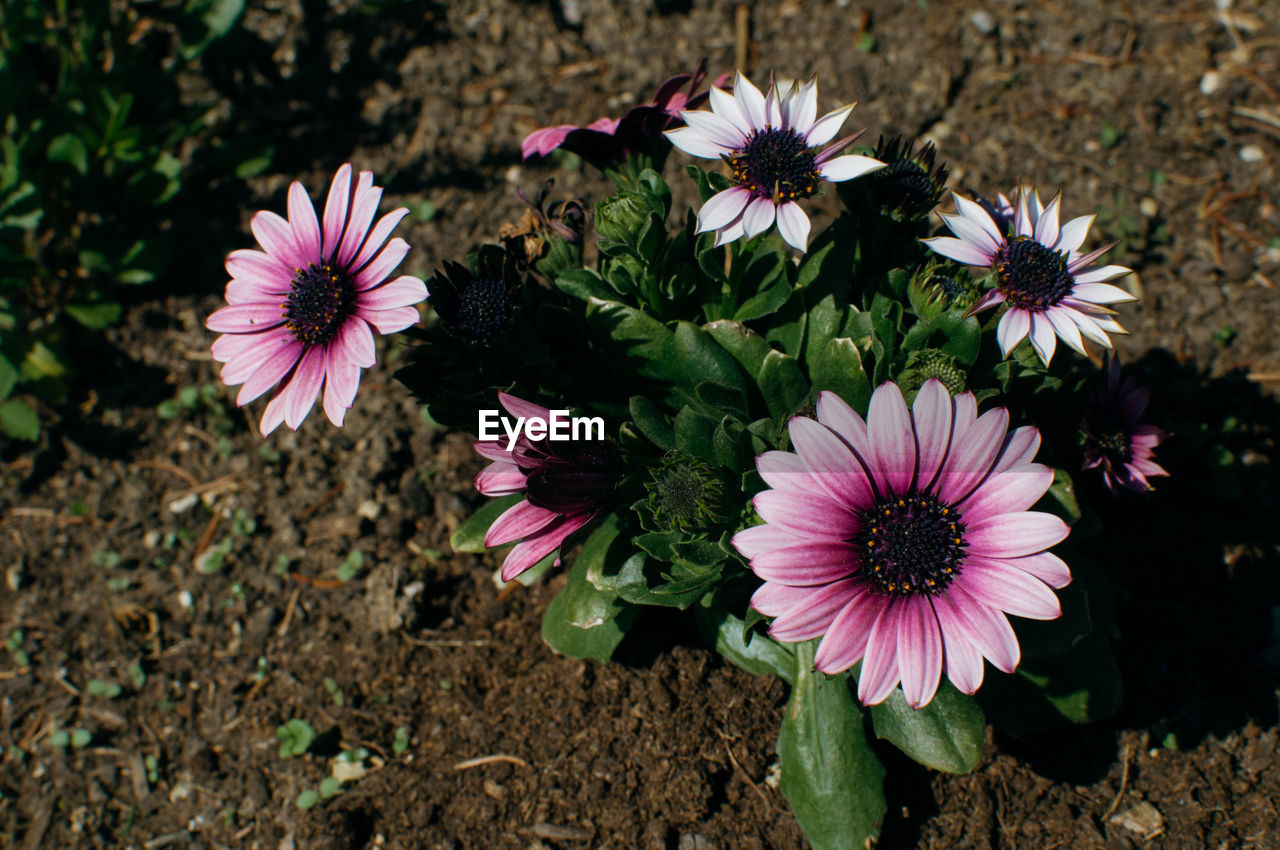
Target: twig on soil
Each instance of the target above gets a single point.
(206, 538)
(1124, 781)
(1263, 377)
(166, 840)
(202, 435)
(169, 467)
(283, 628)
(764, 798)
(422, 642)
(223, 483)
(321, 502)
(480, 761)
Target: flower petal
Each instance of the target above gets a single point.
(807, 514)
(380, 266)
(964, 661)
(806, 563)
(847, 167)
(1007, 493)
(500, 479)
(1046, 566)
(826, 127)
(264, 270)
(1012, 329)
(342, 381)
(381, 231)
(919, 651)
(892, 438)
(306, 227)
(879, 674)
(276, 236)
(726, 106)
(846, 638)
(958, 250)
(751, 100)
(759, 539)
(272, 370)
(1043, 338)
(995, 583)
(390, 321)
(335, 211)
(245, 318)
(931, 415)
(355, 341)
(987, 629)
(1014, 535)
(974, 212)
(304, 386)
(363, 208)
(520, 408)
(794, 226)
(722, 208)
(784, 471)
(719, 130)
(831, 463)
(693, 142)
(758, 217)
(815, 616)
(533, 549)
(404, 291)
(518, 521)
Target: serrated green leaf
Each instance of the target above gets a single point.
(693, 432)
(652, 422)
(19, 421)
(469, 537)
(830, 776)
(746, 346)
(946, 734)
(704, 360)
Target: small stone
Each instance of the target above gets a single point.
(369, 509)
(695, 841)
(186, 503)
(348, 771)
(494, 790)
(983, 22)
(186, 600)
(1149, 207)
(1252, 153)
(152, 539)
(1210, 82)
(1144, 819)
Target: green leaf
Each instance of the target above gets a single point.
(704, 360)
(1061, 498)
(652, 422)
(642, 582)
(946, 734)
(761, 657)
(8, 377)
(839, 369)
(594, 560)
(597, 642)
(256, 163)
(469, 537)
(693, 433)
(330, 786)
(1079, 686)
(783, 384)
(583, 284)
(70, 149)
(830, 776)
(307, 799)
(746, 346)
(95, 316)
(19, 421)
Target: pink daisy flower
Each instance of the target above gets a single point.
(1115, 440)
(1053, 291)
(773, 145)
(904, 540)
(300, 314)
(565, 483)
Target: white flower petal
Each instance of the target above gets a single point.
(727, 107)
(713, 127)
(1072, 234)
(793, 224)
(1096, 275)
(802, 108)
(1011, 330)
(848, 167)
(1047, 223)
(695, 142)
(751, 101)
(826, 127)
(972, 232)
(758, 217)
(722, 208)
(1043, 339)
(973, 211)
(958, 250)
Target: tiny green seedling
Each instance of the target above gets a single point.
(242, 524)
(401, 742)
(137, 676)
(351, 567)
(295, 737)
(14, 643)
(153, 769)
(103, 689)
(335, 693)
(105, 558)
(212, 559)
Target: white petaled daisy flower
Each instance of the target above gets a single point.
(1053, 290)
(773, 145)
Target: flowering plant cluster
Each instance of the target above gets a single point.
(842, 454)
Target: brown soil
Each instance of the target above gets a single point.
(101, 523)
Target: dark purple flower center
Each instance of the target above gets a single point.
(322, 298)
(568, 476)
(1116, 446)
(777, 164)
(484, 310)
(905, 186)
(1032, 276)
(911, 544)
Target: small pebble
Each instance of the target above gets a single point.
(1210, 82)
(1148, 207)
(983, 22)
(1252, 153)
(185, 600)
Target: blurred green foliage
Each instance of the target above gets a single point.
(92, 151)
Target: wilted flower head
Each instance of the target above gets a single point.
(565, 218)
(301, 314)
(1052, 290)
(773, 145)
(1115, 440)
(607, 141)
(476, 306)
(565, 483)
(911, 182)
(904, 540)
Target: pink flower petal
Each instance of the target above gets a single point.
(252, 357)
(758, 539)
(544, 141)
(773, 599)
(973, 454)
(1019, 448)
(355, 341)
(836, 414)
(1046, 566)
(251, 292)
(964, 661)
(846, 639)
(363, 208)
(273, 276)
(378, 236)
(520, 520)
(273, 416)
(987, 629)
(304, 386)
(342, 381)
(538, 546)
(958, 250)
(831, 463)
(807, 514)
(276, 236)
(270, 373)
(390, 321)
(382, 265)
(931, 413)
(919, 651)
(892, 438)
(879, 673)
(500, 479)
(245, 318)
(492, 450)
(404, 291)
(335, 211)
(999, 585)
(302, 218)
(1007, 493)
(816, 614)
(1014, 535)
(784, 471)
(807, 563)
(521, 408)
